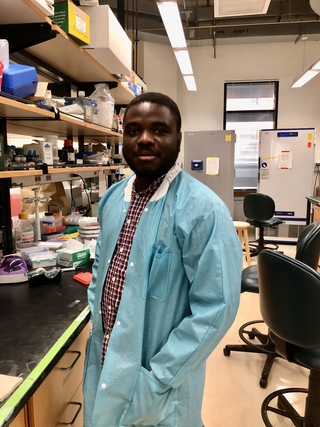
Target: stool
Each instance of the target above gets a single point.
(242, 231)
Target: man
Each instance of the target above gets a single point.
(166, 281)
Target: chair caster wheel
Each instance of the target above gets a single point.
(226, 351)
(263, 382)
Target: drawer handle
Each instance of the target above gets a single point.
(75, 416)
(78, 353)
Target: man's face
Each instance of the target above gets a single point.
(151, 142)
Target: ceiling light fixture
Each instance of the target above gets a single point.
(171, 19)
(307, 75)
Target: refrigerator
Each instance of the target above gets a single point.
(209, 157)
(286, 173)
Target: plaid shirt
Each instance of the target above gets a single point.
(118, 265)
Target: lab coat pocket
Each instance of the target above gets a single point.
(151, 402)
(159, 273)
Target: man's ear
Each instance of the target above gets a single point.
(179, 140)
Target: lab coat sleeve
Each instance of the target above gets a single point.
(212, 257)
(91, 293)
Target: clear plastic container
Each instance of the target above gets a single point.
(86, 106)
(105, 104)
(24, 232)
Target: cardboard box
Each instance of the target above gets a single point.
(109, 43)
(73, 21)
(70, 258)
(19, 80)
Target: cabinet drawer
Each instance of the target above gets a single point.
(21, 419)
(73, 415)
(316, 213)
(53, 396)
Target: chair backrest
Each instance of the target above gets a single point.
(257, 206)
(289, 298)
(308, 245)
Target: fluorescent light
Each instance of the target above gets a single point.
(190, 82)
(183, 60)
(170, 15)
(171, 19)
(316, 65)
(304, 78)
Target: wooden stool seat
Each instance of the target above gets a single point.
(242, 231)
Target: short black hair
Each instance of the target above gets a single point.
(160, 99)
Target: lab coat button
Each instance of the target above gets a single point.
(103, 385)
(124, 210)
(118, 323)
(146, 209)
(131, 264)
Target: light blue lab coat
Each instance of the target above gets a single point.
(181, 295)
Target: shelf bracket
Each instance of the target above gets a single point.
(22, 36)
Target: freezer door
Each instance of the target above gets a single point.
(287, 169)
(209, 157)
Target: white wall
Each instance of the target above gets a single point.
(203, 109)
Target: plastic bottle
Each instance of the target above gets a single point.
(67, 152)
(55, 150)
(86, 106)
(24, 232)
(48, 223)
(4, 53)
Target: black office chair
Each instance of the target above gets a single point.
(259, 211)
(289, 304)
(308, 252)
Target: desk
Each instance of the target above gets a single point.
(315, 202)
(37, 325)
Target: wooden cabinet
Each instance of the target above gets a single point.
(60, 394)
(21, 419)
(316, 213)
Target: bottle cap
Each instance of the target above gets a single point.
(23, 216)
(67, 142)
(48, 214)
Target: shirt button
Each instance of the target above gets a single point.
(103, 385)
(137, 196)
(113, 279)
(107, 336)
(109, 308)
(128, 222)
(131, 264)
(121, 249)
(118, 323)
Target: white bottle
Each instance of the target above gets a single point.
(24, 233)
(4, 53)
(55, 149)
(85, 105)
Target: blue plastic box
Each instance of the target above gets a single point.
(19, 80)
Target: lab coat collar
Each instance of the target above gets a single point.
(162, 190)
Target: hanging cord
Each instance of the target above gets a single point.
(75, 175)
